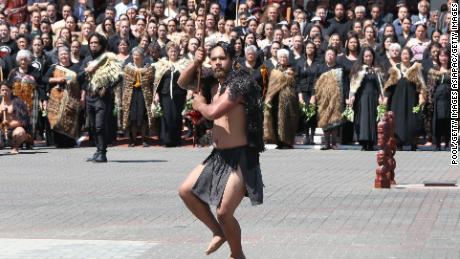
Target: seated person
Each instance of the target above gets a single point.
(14, 119)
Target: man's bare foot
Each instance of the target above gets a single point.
(237, 257)
(215, 244)
(14, 151)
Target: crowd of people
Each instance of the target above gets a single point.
(111, 68)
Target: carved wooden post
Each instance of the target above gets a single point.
(385, 157)
(392, 147)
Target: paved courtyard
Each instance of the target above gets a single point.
(318, 204)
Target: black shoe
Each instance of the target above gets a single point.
(363, 148)
(438, 148)
(90, 159)
(325, 148)
(413, 147)
(101, 158)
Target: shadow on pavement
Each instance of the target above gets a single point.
(138, 161)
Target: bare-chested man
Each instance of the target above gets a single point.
(232, 171)
(15, 121)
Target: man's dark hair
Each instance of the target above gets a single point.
(229, 50)
(102, 42)
(111, 7)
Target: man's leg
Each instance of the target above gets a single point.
(19, 135)
(200, 209)
(91, 114)
(233, 194)
(100, 131)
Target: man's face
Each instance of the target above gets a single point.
(51, 11)
(5, 91)
(229, 26)
(375, 13)
(243, 8)
(320, 12)
(171, 26)
(214, 10)
(35, 18)
(402, 13)
(444, 40)
(301, 18)
(339, 11)
(297, 42)
(193, 45)
(94, 45)
(109, 14)
(220, 63)
(131, 13)
(423, 7)
(210, 22)
(272, 14)
(124, 28)
(275, 47)
(4, 32)
(152, 29)
(161, 32)
(200, 22)
(190, 26)
(158, 9)
(37, 46)
(66, 11)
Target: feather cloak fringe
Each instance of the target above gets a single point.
(357, 79)
(328, 99)
(282, 85)
(413, 74)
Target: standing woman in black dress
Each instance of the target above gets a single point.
(405, 90)
(170, 95)
(441, 99)
(347, 61)
(306, 75)
(366, 92)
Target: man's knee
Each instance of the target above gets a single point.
(224, 214)
(18, 132)
(185, 191)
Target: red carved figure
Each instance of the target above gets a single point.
(385, 175)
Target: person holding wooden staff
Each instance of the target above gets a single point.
(232, 170)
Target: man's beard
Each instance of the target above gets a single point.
(219, 73)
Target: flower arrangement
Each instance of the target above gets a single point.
(348, 114)
(157, 112)
(309, 111)
(381, 109)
